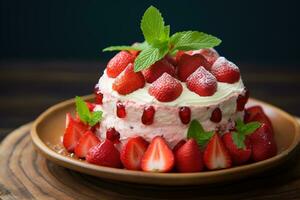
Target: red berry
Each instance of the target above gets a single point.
(121, 111)
(86, 141)
(118, 63)
(185, 114)
(211, 55)
(128, 81)
(216, 115)
(91, 106)
(157, 69)
(113, 135)
(171, 60)
(99, 96)
(256, 113)
(202, 82)
(148, 115)
(242, 100)
(225, 71)
(166, 88)
(178, 145)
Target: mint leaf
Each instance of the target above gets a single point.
(82, 110)
(197, 132)
(193, 40)
(152, 25)
(149, 56)
(95, 118)
(250, 128)
(238, 140)
(121, 48)
(166, 32)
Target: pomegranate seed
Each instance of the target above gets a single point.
(242, 100)
(113, 135)
(121, 112)
(216, 115)
(148, 115)
(99, 96)
(185, 114)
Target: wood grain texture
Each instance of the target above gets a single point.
(25, 174)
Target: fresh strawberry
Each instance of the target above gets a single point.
(166, 88)
(132, 153)
(86, 141)
(263, 143)
(157, 69)
(256, 113)
(91, 106)
(128, 81)
(113, 135)
(171, 59)
(202, 82)
(225, 71)
(158, 156)
(211, 55)
(118, 63)
(74, 130)
(178, 145)
(188, 157)
(216, 156)
(242, 100)
(239, 155)
(187, 64)
(104, 154)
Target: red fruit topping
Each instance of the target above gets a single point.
(187, 64)
(225, 71)
(171, 60)
(73, 132)
(132, 153)
(242, 100)
(91, 106)
(148, 115)
(121, 111)
(256, 113)
(128, 81)
(166, 88)
(263, 143)
(113, 135)
(188, 157)
(104, 154)
(87, 141)
(211, 55)
(216, 115)
(158, 156)
(157, 69)
(185, 114)
(98, 96)
(202, 82)
(216, 156)
(239, 155)
(178, 145)
(118, 63)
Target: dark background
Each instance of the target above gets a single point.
(51, 50)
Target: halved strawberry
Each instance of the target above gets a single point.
(132, 153)
(225, 71)
(188, 157)
(166, 88)
(118, 63)
(158, 156)
(74, 130)
(157, 69)
(128, 81)
(202, 82)
(104, 154)
(187, 64)
(263, 143)
(256, 113)
(211, 55)
(86, 141)
(216, 156)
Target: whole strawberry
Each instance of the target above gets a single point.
(225, 71)
(157, 69)
(118, 63)
(256, 113)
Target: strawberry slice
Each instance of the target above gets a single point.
(132, 153)
(263, 143)
(158, 156)
(188, 157)
(187, 64)
(73, 132)
(86, 141)
(202, 82)
(157, 69)
(166, 88)
(216, 156)
(128, 81)
(104, 154)
(225, 71)
(118, 63)
(256, 113)
(211, 55)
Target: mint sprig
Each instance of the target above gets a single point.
(197, 132)
(159, 43)
(90, 118)
(242, 130)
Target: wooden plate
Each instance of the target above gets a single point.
(48, 129)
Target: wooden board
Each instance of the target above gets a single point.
(25, 174)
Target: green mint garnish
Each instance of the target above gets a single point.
(197, 132)
(159, 43)
(90, 118)
(242, 130)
